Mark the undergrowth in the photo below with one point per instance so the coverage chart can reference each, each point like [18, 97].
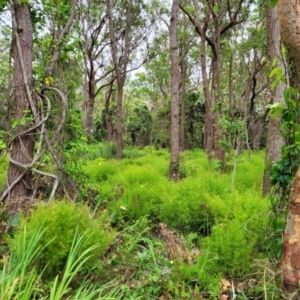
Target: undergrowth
[169, 240]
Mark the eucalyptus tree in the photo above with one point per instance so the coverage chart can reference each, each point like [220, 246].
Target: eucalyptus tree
[98, 67]
[175, 80]
[288, 12]
[274, 138]
[212, 21]
[188, 50]
[29, 138]
[22, 145]
[157, 85]
[254, 94]
[129, 28]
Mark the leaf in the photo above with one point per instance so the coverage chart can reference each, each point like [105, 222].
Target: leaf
[275, 109]
[272, 3]
[286, 95]
[276, 72]
[274, 62]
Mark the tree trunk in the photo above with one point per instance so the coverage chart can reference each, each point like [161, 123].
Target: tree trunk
[119, 121]
[120, 64]
[289, 12]
[182, 104]
[22, 146]
[256, 130]
[108, 123]
[290, 262]
[274, 139]
[89, 122]
[174, 161]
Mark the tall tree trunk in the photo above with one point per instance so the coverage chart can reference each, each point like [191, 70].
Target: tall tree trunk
[174, 161]
[120, 121]
[290, 262]
[22, 146]
[183, 65]
[274, 139]
[289, 11]
[120, 64]
[108, 123]
[256, 130]
[89, 121]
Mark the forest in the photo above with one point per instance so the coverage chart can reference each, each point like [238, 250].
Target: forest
[149, 149]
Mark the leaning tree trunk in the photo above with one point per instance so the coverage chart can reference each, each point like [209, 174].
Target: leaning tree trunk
[289, 11]
[22, 145]
[174, 161]
[274, 139]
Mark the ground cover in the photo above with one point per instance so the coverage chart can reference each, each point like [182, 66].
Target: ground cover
[164, 240]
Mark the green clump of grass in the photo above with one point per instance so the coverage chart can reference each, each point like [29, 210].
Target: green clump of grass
[61, 220]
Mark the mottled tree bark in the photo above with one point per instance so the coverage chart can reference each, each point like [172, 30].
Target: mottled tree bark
[108, 123]
[289, 12]
[174, 53]
[274, 139]
[120, 64]
[290, 260]
[22, 146]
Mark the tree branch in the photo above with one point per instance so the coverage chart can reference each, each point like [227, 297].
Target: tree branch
[62, 35]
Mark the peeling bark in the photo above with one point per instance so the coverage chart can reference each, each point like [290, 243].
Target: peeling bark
[290, 260]
[289, 16]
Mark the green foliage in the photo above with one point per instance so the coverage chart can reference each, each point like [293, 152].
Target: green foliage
[138, 262]
[61, 220]
[232, 130]
[20, 281]
[273, 3]
[231, 226]
[202, 273]
[283, 171]
[103, 150]
[3, 169]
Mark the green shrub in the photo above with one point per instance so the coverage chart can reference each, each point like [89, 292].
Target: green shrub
[104, 150]
[61, 219]
[3, 170]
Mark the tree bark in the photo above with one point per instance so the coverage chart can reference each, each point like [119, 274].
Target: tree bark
[274, 139]
[290, 262]
[174, 54]
[22, 146]
[120, 64]
[289, 11]
[108, 123]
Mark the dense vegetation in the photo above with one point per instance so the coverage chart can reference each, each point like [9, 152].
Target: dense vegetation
[145, 237]
[148, 149]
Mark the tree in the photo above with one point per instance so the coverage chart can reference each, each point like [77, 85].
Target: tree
[174, 54]
[219, 18]
[98, 69]
[30, 138]
[19, 176]
[274, 138]
[129, 27]
[290, 267]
